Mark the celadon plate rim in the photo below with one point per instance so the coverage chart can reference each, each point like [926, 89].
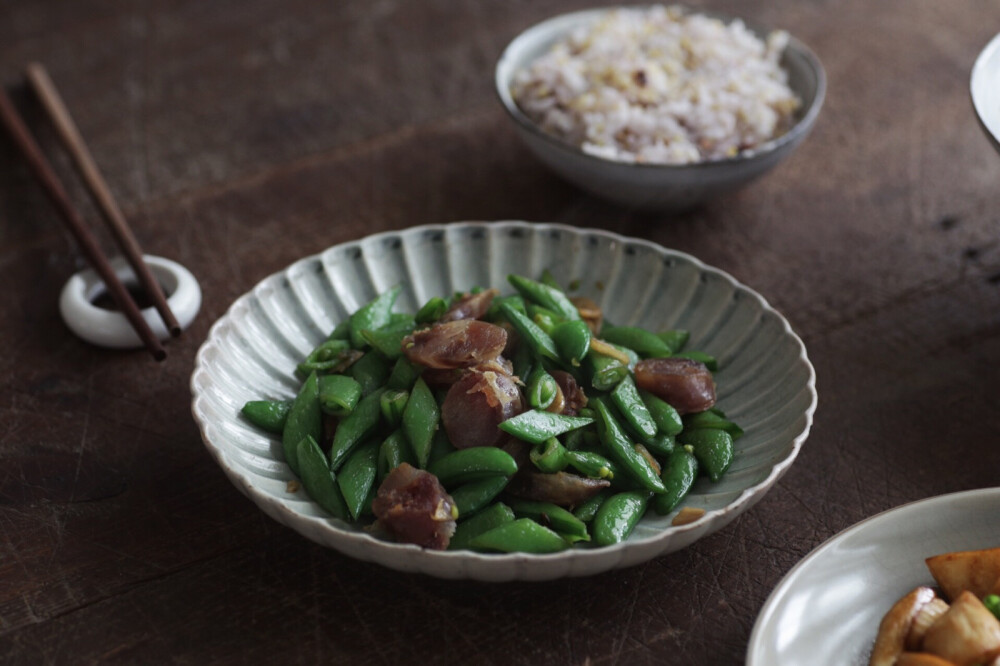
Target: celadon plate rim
[256, 341]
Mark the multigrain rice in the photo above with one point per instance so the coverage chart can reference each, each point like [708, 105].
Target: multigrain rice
[661, 86]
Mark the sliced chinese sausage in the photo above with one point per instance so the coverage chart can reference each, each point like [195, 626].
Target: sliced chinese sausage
[682, 382]
[560, 488]
[470, 306]
[455, 344]
[574, 399]
[412, 506]
[476, 404]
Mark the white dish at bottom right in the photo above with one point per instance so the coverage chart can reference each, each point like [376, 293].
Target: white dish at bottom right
[828, 608]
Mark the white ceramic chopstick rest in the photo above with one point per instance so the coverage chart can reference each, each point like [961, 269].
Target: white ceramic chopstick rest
[110, 328]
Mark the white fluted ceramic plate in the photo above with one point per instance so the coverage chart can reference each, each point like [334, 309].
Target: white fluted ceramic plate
[826, 611]
[766, 382]
[984, 86]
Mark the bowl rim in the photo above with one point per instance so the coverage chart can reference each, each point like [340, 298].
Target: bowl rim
[978, 84]
[574, 19]
[422, 560]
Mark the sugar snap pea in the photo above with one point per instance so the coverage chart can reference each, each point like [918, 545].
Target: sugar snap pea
[675, 339]
[357, 476]
[318, 480]
[269, 415]
[625, 397]
[522, 535]
[572, 339]
[324, 358]
[420, 421]
[305, 419]
[403, 374]
[338, 394]
[588, 509]
[431, 311]
[388, 339]
[393, 452]
[536, 426]
[604, 371]
[544, 295]
[474, 464]
[356, 426]
[471, 497]
[679, 474]
[668, 419]
[531, 334]
[638, 339]
[552, 516]
[542, 388]
[549, 456]
[713, 447]
[623, 450]
[711, 419]
[661, 445]
[591, 464]
[392, 403]
[370, 371]
[618, 516]
[493, 516]
[373, 315]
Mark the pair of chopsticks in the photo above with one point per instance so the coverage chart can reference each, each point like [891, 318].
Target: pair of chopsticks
[46, 175]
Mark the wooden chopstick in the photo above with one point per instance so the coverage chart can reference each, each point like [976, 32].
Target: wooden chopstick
[46, 175]
[42, 84]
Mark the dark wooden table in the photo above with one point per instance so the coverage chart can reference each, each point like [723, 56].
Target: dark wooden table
[242, 135]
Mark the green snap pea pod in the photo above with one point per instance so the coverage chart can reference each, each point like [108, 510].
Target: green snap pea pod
[475, 464]
[393, 452]
[625, 396]
[523, 361]
[490, 517]
[373, 316]
[533, 310]
[618, 516]
[604, 371]
[710, 361]
[392, 403]
[661, 445]
[536, 426]
[440, 446]
[404, 373]
[667, 418]
[388, 340]
[305, 419]
[633, 357]
[544, 295]
[709, 419]
[542, 388]
[552, 516]
[338, 394]
[545, 321]
[357, 476]
[370, 371]
[588, 509]
[431, 311]
[469, 498]
[572, 340]
[622, 449]
[515, 301]
[550, 456]
[638, 339]
[591, 464]
[520, 536]
[679, 474]
[675, 339]
[420, 421]
[353, 428]
[992, 603]
[269, 415]
[531, 334]
[317, 478]
[713, 448]
[325, 357]
[342, 331]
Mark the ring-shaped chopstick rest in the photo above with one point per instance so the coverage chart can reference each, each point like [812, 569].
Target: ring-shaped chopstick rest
[110, 328]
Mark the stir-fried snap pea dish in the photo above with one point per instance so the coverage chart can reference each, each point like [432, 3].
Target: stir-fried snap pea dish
[501, 423]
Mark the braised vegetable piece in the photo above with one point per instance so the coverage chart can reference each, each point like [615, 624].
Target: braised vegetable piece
[413, 507]
[514, 417]
[682, 382]
[455, 344]
[476, 405]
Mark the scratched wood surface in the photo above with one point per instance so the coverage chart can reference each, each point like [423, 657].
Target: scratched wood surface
[242, 135]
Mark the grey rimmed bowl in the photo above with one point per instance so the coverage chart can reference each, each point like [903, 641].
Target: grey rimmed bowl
[765, 381]
[661, 187]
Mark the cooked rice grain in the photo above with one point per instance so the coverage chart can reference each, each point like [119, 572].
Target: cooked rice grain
[659, 85]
